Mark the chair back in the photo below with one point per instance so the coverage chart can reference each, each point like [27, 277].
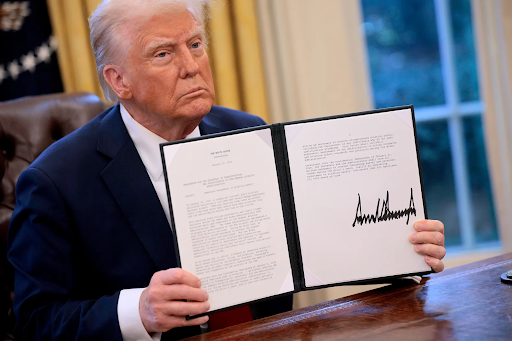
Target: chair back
[27, 127]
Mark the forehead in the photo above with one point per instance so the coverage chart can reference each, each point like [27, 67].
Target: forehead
[177, 25]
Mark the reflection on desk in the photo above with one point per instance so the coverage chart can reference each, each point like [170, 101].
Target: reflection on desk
[464, 303]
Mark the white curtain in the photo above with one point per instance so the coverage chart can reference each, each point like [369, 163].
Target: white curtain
[315, 63]
[315, 59]
[493, 27]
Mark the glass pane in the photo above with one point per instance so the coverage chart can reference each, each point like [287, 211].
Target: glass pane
[464, 50]
[436, 166]
[403, 52]
[481, 195]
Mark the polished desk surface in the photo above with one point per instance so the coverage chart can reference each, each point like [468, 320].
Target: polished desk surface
[465, 303]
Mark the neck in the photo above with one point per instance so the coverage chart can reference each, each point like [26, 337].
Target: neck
[165, 127]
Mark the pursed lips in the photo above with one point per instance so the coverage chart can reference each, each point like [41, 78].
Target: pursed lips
[194, 91]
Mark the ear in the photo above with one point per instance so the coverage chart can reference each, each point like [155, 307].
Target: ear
[114, 76]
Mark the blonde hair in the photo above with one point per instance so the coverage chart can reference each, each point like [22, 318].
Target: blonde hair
[107, 21]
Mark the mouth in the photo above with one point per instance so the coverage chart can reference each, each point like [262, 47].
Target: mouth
[194, 92]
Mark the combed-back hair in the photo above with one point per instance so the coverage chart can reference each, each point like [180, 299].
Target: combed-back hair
[111, 45]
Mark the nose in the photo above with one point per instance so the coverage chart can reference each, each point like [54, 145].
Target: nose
[187, 64]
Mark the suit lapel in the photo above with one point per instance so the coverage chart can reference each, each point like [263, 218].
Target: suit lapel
[129, 183]
[209, 126]
[206, 129]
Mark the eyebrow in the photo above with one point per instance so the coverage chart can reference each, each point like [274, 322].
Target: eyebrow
[158, 44]
[155, 45]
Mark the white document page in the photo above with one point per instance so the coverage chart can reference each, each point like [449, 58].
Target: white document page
[357, 193]
[228, 216]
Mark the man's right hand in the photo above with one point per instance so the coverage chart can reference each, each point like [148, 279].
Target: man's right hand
[162, 306]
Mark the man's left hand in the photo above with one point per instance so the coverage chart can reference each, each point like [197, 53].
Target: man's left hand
[429, 241]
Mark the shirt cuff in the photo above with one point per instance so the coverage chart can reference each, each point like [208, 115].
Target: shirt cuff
[128, 315]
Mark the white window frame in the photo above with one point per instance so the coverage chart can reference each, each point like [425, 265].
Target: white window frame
[453, 112]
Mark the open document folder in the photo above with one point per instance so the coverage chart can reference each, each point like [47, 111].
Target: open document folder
[294, 206]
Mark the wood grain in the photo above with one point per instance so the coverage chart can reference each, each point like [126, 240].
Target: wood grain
[465, 303]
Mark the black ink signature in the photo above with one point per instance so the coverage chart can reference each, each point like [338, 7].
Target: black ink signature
[385, 212]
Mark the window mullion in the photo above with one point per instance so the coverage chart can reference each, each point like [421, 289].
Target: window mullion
[461, 176]
[432, 113]
[471, 108]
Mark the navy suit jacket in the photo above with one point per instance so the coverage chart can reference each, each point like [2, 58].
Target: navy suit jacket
[87, 224]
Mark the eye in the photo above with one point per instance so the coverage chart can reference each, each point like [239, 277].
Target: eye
[195, 45]
[161, 54]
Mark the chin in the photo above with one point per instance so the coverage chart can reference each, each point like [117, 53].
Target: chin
[199, 109]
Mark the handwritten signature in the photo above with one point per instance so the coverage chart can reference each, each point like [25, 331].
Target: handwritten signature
[385, 212]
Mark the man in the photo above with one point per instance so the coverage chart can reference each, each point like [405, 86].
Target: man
[90, 239]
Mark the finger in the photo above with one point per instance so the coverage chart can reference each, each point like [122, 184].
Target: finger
[429, 225]
[178, 292]
[428, 237]
[434, 251]
[179, 308]
[179, 276]
[436, 264]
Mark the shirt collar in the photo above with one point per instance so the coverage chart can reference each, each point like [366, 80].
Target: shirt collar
[147, 143]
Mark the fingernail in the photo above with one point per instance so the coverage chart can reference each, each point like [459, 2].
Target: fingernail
[198, 284]
[419, 225]
[416, 248]
[412, 238]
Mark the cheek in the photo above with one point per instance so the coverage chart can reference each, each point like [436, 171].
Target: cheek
[210, 81]
[208, 78]
[155, 85]
[206, 71]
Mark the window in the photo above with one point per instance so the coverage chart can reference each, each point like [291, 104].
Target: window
[422, 53]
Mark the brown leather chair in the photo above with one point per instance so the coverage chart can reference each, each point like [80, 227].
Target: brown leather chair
[27, 127]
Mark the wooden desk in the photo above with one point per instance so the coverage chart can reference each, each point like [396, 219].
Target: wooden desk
[465, 303]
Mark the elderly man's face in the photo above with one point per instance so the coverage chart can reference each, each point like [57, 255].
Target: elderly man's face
[167, 68]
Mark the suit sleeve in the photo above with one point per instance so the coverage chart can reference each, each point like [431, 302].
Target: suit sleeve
[48, 302]
[259, 121]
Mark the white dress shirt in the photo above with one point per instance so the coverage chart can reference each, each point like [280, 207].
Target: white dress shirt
[147, 144]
